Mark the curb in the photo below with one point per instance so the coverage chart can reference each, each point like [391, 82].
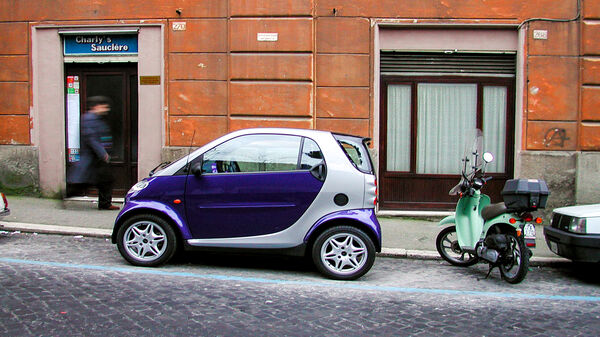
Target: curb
[53, 229]
[397, 253]
[535, 261]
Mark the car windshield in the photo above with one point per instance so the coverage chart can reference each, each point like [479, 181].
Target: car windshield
[356, 151]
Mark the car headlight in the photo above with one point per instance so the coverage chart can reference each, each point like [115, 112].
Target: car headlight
[138, 187]
[578, 225]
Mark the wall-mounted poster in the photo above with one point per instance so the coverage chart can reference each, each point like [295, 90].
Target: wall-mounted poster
[73, 118]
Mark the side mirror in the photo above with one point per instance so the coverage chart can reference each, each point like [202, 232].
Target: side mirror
[196, 169]
[488, 157]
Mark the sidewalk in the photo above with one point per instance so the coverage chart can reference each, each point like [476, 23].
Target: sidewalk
[403, 236]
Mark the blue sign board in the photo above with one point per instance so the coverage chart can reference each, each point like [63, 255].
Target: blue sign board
[116, 44]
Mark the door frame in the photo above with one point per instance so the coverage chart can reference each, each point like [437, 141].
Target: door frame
[48, 105]
[128, 71]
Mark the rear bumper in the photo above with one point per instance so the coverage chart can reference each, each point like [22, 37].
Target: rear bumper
[576, 247]
[6, 211]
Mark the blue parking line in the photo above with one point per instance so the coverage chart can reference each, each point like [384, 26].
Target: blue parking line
[337, 285]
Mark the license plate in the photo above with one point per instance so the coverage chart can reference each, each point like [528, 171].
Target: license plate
[529, 231]
[553, 246]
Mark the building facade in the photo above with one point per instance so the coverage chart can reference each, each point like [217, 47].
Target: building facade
[414, 76]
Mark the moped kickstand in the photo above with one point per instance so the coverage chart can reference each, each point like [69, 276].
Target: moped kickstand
[488, 274]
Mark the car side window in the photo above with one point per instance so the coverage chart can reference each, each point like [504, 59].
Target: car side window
[311, 154]
[253, 153]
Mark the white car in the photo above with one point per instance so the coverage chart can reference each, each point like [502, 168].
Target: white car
[575, 233]
[3, 205]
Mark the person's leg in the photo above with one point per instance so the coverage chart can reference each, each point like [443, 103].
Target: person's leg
[105, 188]
[104, 195]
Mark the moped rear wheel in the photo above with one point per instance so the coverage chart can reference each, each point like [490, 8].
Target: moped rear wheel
[514, 268]
[449, 249]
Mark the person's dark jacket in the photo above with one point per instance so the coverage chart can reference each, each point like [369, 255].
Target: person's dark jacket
[96, 142]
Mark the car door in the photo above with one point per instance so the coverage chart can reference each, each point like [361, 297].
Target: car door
[252, 185]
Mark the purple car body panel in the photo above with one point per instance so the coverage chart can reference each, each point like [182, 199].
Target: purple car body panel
[159, 196]
[247, 204]
[365, 216]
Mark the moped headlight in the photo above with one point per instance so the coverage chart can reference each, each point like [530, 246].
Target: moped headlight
[138, 187]
[578, 225]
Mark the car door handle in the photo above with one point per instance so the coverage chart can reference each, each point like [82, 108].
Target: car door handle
[319, 171]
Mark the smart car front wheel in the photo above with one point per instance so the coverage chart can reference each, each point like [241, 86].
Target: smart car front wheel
[343, 253]
[146, 240]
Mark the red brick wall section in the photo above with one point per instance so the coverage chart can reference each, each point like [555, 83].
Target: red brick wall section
[195, 130]
[14, 84]
[552, 90]
[318, 72]
[60, 10]
[271, 8]
[198, 66]
[447, 9]
[293, 35]
[197, 87]
[590, 70]
[198, 98]
[590, 104]
[271, 99]
[14, 129]
[285, 67]
[589, 128]
[563, 39]
[543, 135]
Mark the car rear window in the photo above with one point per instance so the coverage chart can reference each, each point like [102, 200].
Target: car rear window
[357, 152]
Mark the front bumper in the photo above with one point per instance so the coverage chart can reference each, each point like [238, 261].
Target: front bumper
[576, 247]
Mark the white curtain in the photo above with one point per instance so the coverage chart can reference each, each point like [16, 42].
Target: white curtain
[494, 126]
[446, 112]
[398, 127]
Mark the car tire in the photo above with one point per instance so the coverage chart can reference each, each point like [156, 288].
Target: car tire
[343, 253]
[146, 240]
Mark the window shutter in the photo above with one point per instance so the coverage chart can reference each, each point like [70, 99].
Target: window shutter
[447, 64]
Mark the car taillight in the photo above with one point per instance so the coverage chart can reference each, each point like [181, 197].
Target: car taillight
[375, 201]
[5, 200]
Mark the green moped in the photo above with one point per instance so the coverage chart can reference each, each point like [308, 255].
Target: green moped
[498, 234]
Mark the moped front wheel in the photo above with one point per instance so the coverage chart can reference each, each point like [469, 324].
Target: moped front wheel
[514, 267]
[449, 249]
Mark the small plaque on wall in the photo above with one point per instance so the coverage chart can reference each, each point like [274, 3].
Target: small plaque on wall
[149, 80]
[268, 37]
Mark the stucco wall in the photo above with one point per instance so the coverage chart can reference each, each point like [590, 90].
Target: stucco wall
[587, 186]
[19, 169]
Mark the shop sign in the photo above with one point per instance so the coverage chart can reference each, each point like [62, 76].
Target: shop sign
[117, 44]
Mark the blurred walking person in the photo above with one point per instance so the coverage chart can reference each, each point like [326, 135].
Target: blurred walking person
[93, 169]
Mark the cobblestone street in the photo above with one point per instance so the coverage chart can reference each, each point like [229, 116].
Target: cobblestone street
[54, 285]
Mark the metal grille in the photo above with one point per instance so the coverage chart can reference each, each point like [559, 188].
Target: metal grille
[561, 221]
[454, 63]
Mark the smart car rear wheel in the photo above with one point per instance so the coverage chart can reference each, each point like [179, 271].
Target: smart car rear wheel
[146, 240]
[343, 253]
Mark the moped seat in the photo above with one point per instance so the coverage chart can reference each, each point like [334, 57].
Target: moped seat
[493, 210]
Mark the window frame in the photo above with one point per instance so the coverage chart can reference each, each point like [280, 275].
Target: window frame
[413, 82]
[200, 158]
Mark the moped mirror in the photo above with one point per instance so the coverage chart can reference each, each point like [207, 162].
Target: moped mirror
[488, 157]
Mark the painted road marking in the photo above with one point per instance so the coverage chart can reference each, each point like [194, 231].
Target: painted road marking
[337, 285]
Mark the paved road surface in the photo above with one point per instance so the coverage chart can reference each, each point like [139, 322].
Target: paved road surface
[54, 285]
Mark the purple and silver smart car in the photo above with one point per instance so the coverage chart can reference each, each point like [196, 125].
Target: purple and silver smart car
[291, 191]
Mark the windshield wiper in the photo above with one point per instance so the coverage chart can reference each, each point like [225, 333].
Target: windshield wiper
[159, 166]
